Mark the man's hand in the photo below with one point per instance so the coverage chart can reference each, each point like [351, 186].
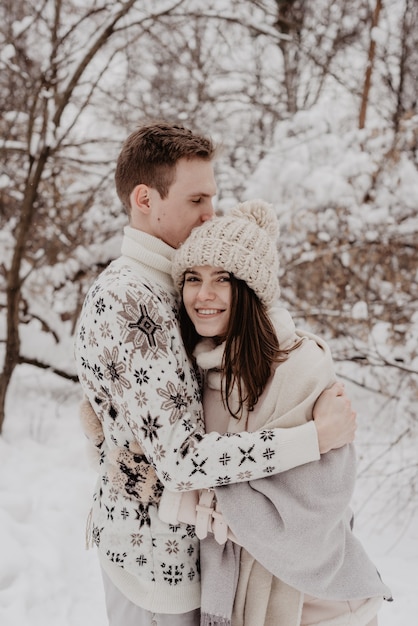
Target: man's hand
[335, 419]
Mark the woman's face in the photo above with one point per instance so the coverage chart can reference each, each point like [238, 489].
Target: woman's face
[207, 299]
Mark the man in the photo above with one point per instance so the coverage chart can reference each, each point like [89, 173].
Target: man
[135, 373]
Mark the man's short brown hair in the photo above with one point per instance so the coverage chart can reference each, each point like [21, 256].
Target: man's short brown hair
[149, 156]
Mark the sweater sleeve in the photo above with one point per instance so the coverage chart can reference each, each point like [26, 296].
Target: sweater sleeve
[134, 371]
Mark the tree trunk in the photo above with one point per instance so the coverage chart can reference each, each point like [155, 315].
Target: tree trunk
[14, 281]
[369, 69]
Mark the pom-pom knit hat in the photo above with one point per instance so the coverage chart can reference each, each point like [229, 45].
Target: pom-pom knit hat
[242, 243]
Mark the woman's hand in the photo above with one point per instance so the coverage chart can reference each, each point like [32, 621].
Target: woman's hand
[335, 419]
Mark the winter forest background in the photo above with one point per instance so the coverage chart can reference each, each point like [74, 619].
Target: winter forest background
[315, 106]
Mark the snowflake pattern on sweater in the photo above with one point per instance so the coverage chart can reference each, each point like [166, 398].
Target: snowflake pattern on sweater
[134, 370]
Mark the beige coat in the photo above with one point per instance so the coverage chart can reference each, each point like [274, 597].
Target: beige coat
[288, 400]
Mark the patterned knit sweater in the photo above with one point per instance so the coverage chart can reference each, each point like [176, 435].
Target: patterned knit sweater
[134, 370]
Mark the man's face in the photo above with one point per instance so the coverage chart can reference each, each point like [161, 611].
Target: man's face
[188, 203]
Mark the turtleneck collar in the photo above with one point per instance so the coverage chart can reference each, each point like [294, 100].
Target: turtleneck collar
[153, 254]
[208, 354]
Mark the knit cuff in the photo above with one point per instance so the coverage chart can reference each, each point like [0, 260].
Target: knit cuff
[298, 445]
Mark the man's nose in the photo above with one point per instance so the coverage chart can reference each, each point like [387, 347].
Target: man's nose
[208, 212]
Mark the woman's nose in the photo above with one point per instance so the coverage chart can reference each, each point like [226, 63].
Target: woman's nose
[205, 292]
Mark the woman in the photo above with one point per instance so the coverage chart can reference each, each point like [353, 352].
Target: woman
[300, 563]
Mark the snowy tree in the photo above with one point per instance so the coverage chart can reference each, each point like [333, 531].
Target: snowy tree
[347, 201]
[55, 58]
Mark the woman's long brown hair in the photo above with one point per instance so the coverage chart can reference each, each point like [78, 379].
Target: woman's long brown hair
[251, 347]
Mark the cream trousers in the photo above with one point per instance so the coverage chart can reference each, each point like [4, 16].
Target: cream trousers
[318, 612]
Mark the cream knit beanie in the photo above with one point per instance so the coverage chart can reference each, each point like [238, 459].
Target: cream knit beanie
[242, 242]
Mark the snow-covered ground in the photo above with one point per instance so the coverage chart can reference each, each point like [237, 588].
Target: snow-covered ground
[47, 578]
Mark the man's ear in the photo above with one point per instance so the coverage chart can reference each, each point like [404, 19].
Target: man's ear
[140, 199]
